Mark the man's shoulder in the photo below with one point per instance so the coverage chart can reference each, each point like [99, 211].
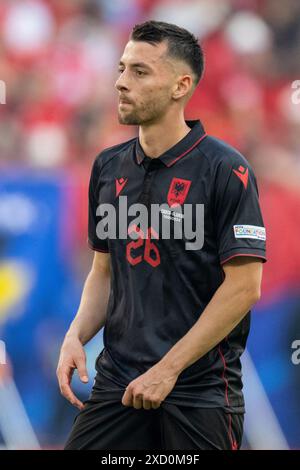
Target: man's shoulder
[220, 153]
[105, 155]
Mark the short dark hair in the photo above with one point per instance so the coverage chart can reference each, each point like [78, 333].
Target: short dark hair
[182, 44]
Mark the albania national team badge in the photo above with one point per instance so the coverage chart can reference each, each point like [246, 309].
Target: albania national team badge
[178, 191]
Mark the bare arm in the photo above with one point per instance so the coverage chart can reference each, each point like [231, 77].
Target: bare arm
[90, 318]
[230, 303]
[91, 314]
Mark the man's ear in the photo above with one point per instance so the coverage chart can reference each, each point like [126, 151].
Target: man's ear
[183, 87]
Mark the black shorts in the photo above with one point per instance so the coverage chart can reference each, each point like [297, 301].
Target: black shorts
[109, 425]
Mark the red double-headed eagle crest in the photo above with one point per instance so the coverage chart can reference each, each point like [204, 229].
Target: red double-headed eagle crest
[178, 191]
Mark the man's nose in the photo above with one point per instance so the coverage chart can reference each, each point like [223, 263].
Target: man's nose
[122, 82]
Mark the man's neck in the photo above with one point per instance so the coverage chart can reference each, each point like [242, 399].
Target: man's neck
[157, 138]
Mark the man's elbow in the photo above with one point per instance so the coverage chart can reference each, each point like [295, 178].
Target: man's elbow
[244, 276]
[253, 293]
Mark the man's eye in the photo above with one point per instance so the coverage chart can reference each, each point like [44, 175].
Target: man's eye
[140, 72]
[121, 70]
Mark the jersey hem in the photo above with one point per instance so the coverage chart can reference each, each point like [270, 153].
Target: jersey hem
[252, 252]
[96, 248]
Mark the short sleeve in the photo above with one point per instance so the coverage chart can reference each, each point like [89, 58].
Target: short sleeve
[94, 241]
[240, 229]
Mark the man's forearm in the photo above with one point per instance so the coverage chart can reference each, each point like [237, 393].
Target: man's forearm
[91, 314]
[225, 310]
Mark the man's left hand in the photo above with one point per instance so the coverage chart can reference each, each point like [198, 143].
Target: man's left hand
[149, 389]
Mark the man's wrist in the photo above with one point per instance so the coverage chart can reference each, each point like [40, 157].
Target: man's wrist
[170, 364]
[73, 334]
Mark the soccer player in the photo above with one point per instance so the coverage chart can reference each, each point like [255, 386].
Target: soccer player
[175, 310]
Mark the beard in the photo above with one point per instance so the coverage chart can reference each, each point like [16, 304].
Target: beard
[146, 113]
[130, 118]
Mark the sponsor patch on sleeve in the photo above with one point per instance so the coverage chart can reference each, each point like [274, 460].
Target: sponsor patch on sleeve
[249, 231]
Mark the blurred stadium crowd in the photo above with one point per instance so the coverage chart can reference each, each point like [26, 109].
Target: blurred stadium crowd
[59, 58]
[59, 61]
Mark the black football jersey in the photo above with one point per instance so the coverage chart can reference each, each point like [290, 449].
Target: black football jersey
[161, 285]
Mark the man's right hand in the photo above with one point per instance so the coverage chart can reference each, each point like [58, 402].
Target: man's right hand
[72, 356]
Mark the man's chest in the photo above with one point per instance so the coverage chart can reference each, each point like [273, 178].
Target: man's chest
[170, 206]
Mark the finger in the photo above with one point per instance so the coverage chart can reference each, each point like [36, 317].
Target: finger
[127, 398]
[155, 405]
[65, 370]
[137, 401]
[147, 404]
[82, 371]
[66, 391]
[69, 395]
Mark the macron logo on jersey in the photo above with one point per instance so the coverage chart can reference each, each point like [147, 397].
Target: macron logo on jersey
[242, 174]
[249, 231]
[120, 183]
